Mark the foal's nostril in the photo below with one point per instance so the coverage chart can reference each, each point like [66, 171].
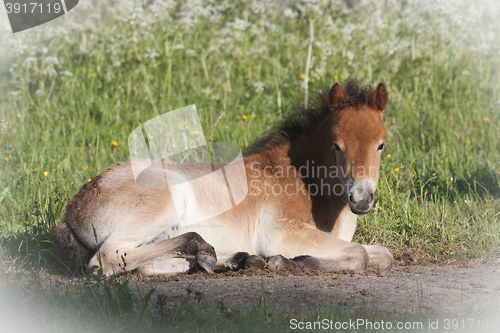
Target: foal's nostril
[370, 198]
[351, 198]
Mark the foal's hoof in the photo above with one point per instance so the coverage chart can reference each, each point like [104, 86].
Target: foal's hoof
[279, 262]
[206, 262]
[254, 261]
[356, 271]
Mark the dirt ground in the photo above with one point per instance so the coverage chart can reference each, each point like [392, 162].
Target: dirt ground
[464, 286]
[405, 288]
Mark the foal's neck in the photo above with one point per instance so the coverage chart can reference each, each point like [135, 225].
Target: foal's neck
[313, 150]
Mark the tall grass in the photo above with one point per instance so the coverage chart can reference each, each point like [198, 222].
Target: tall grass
[90, 77]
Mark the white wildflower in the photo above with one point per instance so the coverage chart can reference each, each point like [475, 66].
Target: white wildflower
[270, 26]
[257, 50]
[19, 47]
[39, 93]
[52, 60]
[317, 74]
[289, 13]
[28, 61]
[66, 73]
[151, 53]
[237, 52]
[311, 7]
[255, 30]
[191, 52]
[259, 6]
[212, 48]
[178, 47]
[240, 24]
[50, 71]
[350, 56]
[259, 86]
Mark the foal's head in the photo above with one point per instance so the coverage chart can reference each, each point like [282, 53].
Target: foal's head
[358, 138]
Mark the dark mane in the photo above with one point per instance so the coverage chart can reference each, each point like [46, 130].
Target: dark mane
[303, 118]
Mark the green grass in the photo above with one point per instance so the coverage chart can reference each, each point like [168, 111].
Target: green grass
[438, 195]
[442, 121]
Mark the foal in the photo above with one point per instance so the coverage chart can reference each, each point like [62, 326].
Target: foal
[308, 180]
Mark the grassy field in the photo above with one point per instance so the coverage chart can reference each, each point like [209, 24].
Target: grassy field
[86, 80]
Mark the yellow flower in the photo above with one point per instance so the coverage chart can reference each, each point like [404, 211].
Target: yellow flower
[396, 170]
[244, 117]
[90, 179]
[486, 119]
[335, 78]
[403, 167]
[45, 173]
[413, 175]
[196, 133]
[302, 76]
[388, 155]
[93, 75]
[85, 167]
[7, 159]
[134, 136]
[229, 90]
[150, 136]
[115, 144]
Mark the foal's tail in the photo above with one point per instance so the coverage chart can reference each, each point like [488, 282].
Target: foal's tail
[72, 255]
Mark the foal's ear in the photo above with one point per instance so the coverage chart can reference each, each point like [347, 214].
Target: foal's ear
[379, 98]
[336, 98]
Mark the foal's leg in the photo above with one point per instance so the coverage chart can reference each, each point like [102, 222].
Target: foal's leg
[167, 267]
[238, 261]
[380, 257]
[170, 256]
[311, 249]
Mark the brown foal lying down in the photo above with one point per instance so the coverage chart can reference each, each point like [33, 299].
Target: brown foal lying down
[308, 180]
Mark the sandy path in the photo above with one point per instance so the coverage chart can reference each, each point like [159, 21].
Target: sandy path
[449, 288]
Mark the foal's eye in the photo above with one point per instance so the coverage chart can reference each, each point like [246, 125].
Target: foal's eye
[382, 145]
[336, 147]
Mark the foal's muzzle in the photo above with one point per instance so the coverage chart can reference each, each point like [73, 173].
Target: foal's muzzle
[361, 196]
